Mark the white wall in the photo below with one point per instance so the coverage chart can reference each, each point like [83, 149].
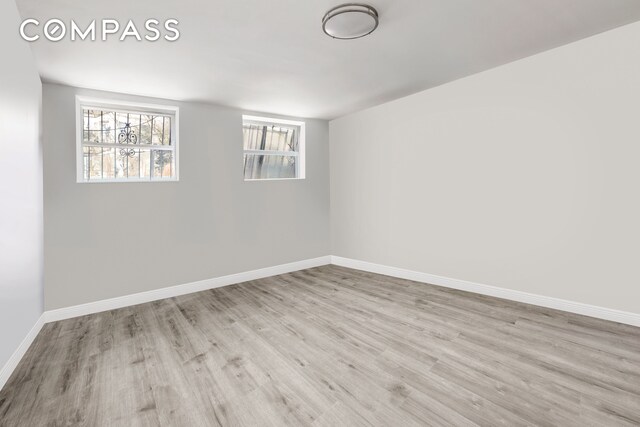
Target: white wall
[525, 177]
[109, 240]
[20, 187]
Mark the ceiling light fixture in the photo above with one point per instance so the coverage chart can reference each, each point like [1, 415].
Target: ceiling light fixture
[350, 21]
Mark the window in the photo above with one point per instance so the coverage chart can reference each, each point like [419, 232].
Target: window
[273, 148]
[124, 142]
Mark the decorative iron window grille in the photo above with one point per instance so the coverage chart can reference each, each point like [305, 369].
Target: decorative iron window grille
[273, 149]
[119, 144]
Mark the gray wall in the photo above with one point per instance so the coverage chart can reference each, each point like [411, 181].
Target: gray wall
[109, 240]
[524, 177]
[20, 187]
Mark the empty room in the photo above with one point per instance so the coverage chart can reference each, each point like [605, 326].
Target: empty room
[315, 213]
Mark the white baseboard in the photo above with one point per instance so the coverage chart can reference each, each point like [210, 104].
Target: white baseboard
[494, 291]
[17, 355]
[173, 291]
[143, 297]
[509, 294]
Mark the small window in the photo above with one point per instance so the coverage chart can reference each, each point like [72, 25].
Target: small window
[123, 142]
[273, 149]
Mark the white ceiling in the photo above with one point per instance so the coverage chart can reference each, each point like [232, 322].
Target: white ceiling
[272, 56]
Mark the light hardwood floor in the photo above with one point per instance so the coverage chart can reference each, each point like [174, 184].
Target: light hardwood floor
[328, 346]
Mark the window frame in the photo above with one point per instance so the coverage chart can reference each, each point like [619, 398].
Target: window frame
[300, 154]
[83, 102]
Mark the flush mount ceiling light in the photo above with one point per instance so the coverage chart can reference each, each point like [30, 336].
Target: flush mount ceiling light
[350, 21]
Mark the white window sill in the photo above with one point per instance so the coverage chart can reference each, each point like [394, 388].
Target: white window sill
[125, 181]
[274, 179]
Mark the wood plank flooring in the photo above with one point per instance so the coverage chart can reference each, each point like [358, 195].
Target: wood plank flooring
[328, 346]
